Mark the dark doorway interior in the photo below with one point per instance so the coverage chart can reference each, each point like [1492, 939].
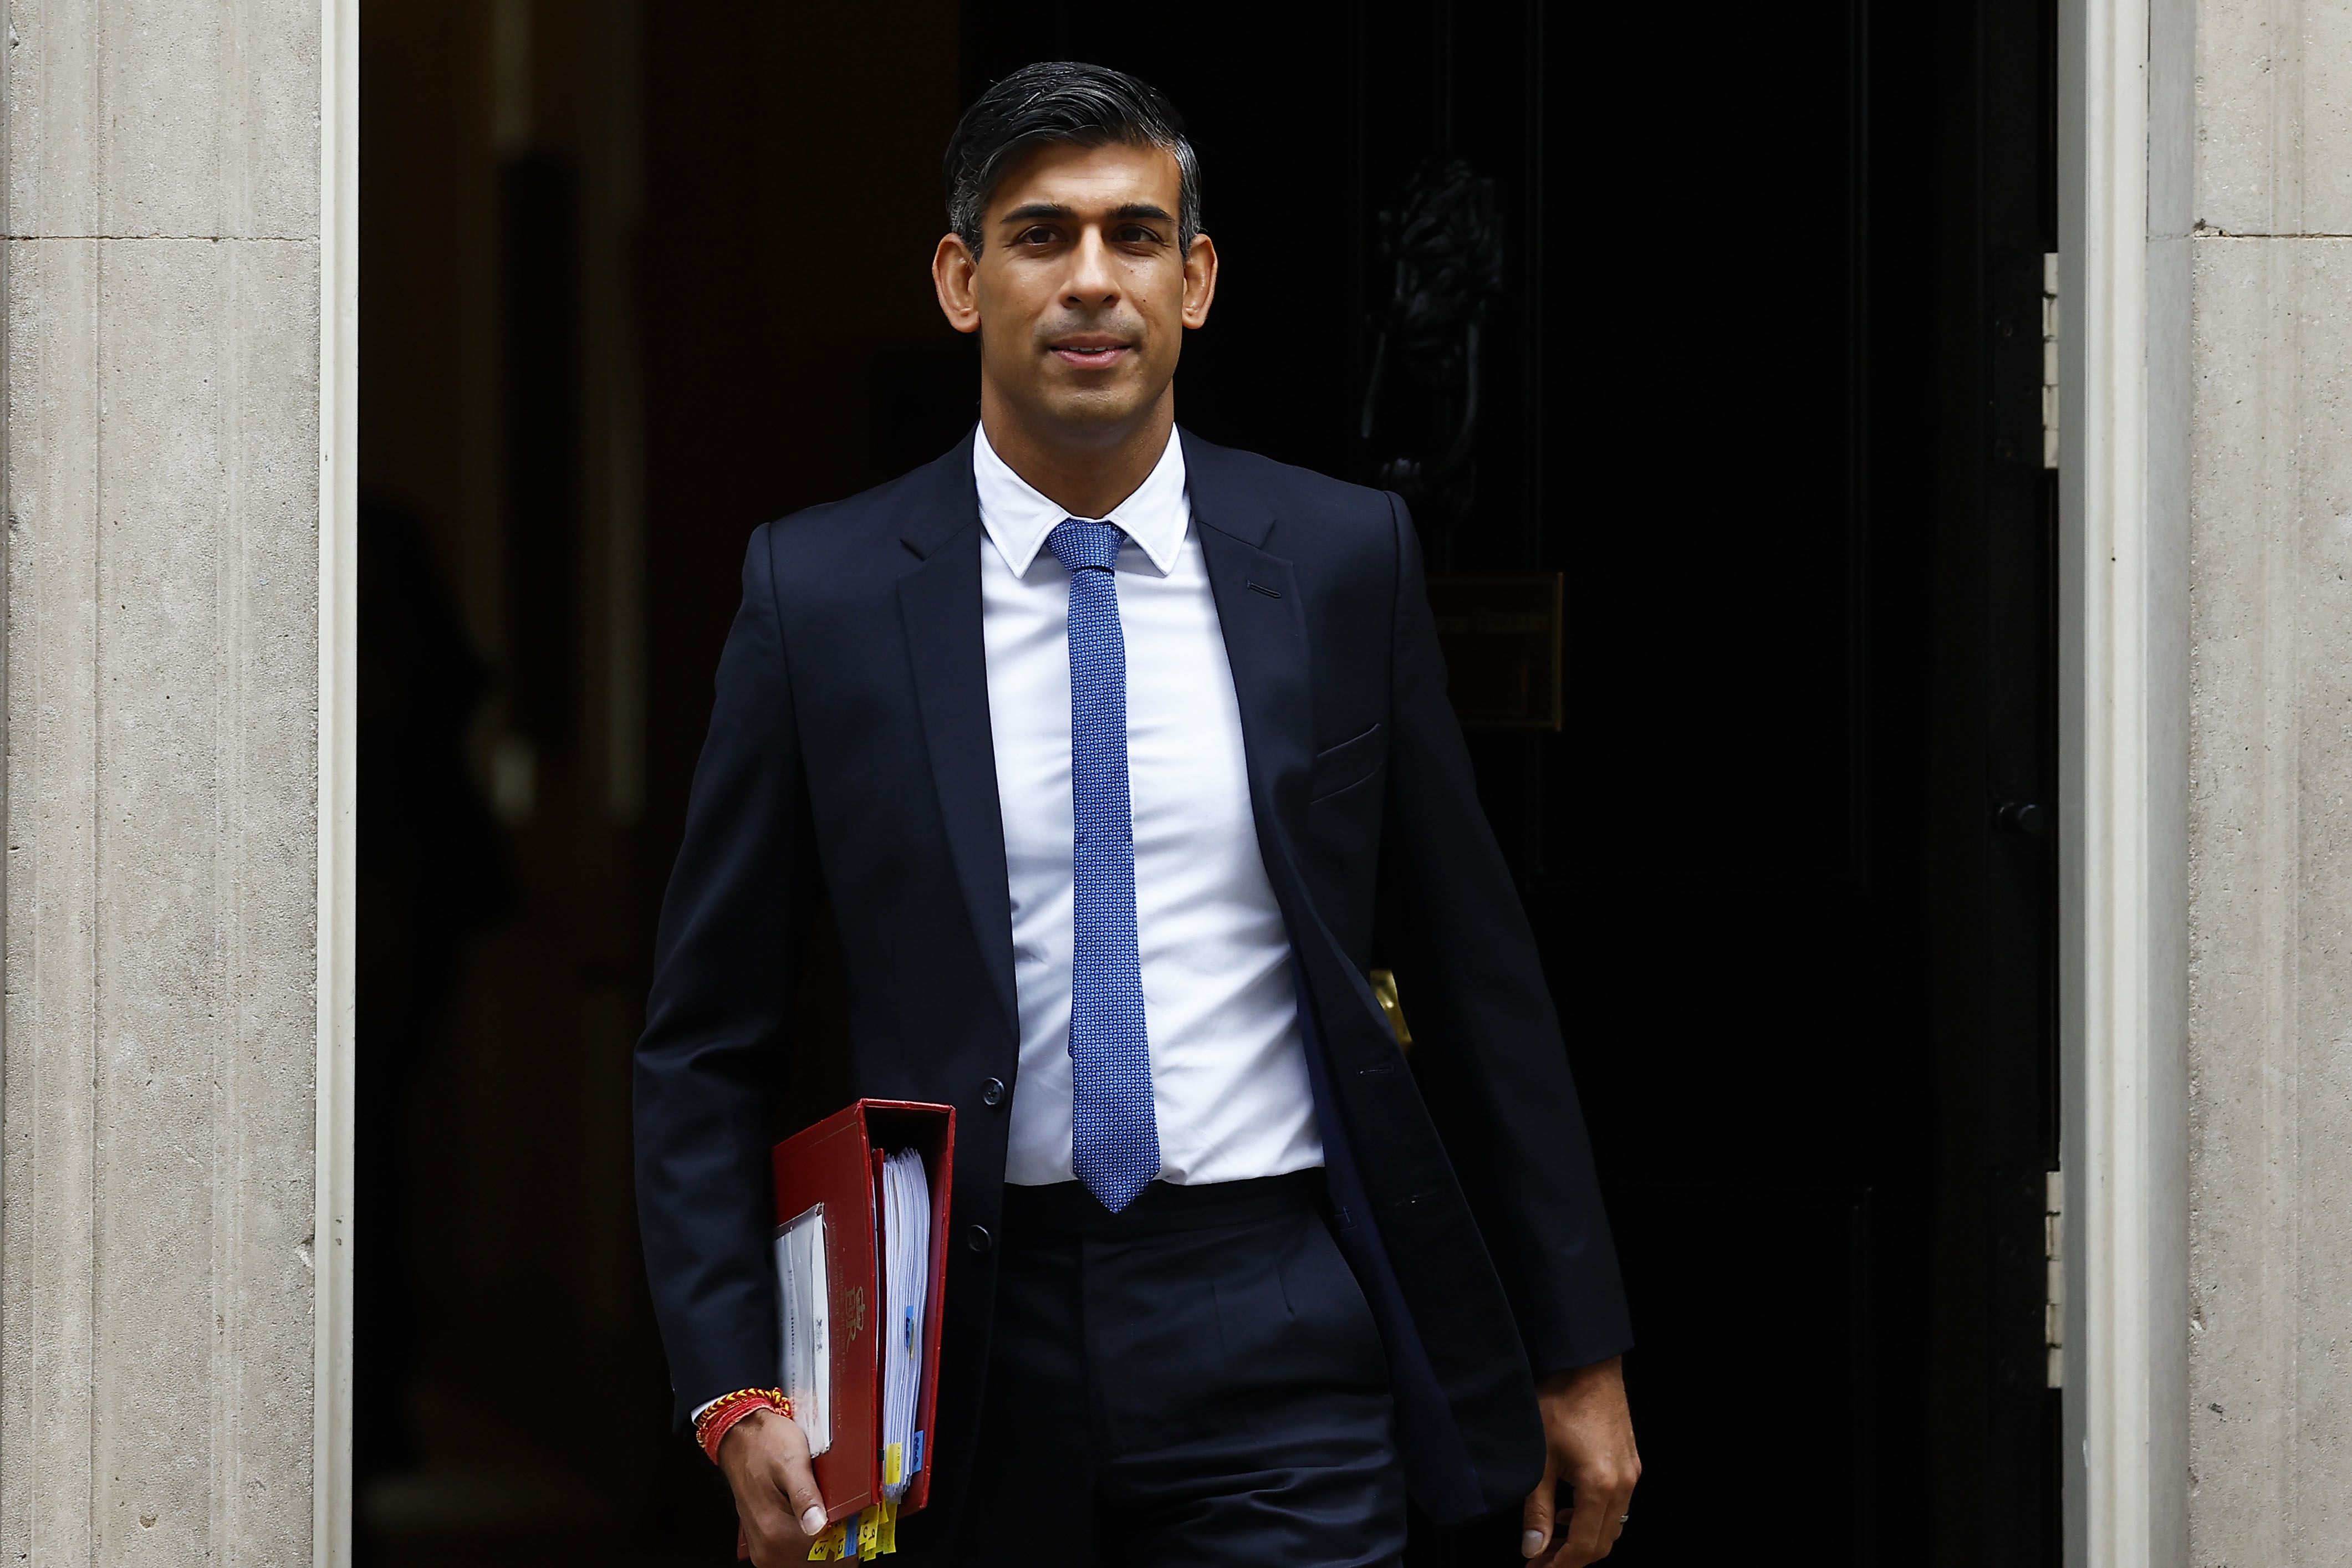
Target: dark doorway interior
[1759, 358]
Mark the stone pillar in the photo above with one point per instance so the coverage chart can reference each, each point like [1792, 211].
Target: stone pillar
[2270, 829]
[158, 1253]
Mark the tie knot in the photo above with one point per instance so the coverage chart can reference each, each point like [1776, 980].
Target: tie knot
[1078, 544]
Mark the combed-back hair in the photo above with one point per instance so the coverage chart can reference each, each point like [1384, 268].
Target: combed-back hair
[1065, 101]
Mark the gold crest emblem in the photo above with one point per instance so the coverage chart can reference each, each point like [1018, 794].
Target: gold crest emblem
[856, 1312]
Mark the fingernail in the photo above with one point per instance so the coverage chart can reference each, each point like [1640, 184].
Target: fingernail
[813, 1521]
[1531, 1542]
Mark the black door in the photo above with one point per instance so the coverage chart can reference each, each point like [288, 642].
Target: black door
[1728, 319]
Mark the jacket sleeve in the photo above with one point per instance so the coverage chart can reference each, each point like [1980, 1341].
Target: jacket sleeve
[712, 1059]
[1487, 1046]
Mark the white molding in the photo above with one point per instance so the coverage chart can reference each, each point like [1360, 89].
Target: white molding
[2122, 642]
[330, 1476]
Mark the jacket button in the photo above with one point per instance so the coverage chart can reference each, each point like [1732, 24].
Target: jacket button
[991, 1091]
[977, 1238]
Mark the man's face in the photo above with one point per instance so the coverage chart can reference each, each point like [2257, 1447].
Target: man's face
[1080, 294]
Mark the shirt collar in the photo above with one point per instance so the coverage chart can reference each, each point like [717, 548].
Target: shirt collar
[1018, 517]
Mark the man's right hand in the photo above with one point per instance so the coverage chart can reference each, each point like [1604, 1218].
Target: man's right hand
[766, 1460]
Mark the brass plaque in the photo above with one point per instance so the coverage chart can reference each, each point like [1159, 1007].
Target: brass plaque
[1500, 632]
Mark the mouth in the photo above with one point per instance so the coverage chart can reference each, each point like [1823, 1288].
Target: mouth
[1088, 352]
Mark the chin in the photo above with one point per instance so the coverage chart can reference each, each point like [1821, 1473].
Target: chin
[1105, 410]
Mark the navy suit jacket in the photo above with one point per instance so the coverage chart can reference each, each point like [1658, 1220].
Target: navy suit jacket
[849, 759]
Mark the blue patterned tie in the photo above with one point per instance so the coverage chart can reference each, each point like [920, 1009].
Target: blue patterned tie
[1114, 1137]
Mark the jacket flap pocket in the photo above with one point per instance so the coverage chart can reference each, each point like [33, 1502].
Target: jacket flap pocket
[1351, 761]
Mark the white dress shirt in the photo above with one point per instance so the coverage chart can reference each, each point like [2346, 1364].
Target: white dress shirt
[1229, 1082]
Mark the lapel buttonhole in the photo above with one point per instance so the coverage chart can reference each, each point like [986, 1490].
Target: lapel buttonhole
[1261, 588]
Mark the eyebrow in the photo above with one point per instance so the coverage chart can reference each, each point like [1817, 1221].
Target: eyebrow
[1030, 212]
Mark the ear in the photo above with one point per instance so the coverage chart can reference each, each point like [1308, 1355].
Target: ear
[1200, 279]
[955, 277]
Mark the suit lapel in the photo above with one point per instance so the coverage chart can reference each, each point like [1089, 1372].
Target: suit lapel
[939, 601]
[1264, 625]
[1267, 645]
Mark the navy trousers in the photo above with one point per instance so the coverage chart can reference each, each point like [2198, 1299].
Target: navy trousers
[1195, 1382]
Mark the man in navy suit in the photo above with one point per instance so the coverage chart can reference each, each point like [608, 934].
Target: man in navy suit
[1119, 757]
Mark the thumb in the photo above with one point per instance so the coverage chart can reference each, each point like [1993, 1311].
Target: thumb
[1535, 1519]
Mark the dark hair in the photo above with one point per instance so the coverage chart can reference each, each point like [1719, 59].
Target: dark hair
[1065, 101]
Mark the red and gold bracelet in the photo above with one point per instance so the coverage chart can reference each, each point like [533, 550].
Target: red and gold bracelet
[729, 1408]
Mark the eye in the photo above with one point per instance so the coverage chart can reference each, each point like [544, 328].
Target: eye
[1135, 234]
[1036, 234]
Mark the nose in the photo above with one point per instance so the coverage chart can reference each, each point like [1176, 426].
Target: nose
[1092, 281]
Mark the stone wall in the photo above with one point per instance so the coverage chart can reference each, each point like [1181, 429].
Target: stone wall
[2269, 819]
[162, 667]
[158, 1045]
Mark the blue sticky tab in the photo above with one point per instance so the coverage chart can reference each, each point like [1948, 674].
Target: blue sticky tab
[918, 1462]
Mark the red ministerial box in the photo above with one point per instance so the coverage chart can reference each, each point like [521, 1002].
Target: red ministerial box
[835, 1163]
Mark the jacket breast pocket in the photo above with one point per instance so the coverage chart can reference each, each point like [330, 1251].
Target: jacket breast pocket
[1343, 767]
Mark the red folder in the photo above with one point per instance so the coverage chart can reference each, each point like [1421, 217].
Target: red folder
[838, 1163]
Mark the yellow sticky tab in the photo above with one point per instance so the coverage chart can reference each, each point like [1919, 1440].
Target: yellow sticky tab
[889, 1530]
[830, 1546]
[893, 1463]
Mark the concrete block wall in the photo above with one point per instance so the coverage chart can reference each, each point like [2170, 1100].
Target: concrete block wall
[158, 1045]
[2270, 818]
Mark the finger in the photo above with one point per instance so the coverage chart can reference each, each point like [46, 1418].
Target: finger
[1612, 1518]
[1620, 1505]
[1536, 1518]
[1597, 1521]
[1583, 1541]
[1612, 1510]
[1628, 1476]
[1563, 1552]
[799, 1487]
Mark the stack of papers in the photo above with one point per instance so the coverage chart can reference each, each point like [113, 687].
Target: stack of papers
[905, 1208]
[806, 1309]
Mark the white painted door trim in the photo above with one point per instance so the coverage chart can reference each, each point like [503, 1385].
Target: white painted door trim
[338, 741]
[2122, 853]
[2123, 841]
